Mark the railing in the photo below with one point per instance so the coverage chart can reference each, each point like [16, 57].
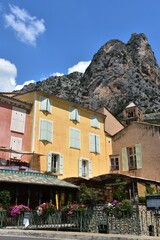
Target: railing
[139, 222]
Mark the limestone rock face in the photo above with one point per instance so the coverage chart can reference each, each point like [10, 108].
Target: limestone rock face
[119, 73]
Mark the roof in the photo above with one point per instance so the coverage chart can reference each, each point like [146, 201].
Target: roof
[61, 99]
[109, 179]
[33, 178]
[15, 102]
[131, 105]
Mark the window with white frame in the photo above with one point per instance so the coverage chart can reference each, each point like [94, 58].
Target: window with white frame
[114, 162]
[74, 114]
[94, 143]
[131, 157]
[95, 121]
[85, 168]
[18, 120]
[46, 130]
[55, 163]
[16, 144]
[75, 138]
[45, 104]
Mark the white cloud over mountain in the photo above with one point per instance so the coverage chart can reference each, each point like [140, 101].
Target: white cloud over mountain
[8, 74]
[26, 27]
[79, 67]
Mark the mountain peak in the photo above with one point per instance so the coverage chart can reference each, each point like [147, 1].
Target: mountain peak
[118, 74]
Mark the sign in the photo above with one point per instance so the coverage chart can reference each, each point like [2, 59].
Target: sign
[153, 202]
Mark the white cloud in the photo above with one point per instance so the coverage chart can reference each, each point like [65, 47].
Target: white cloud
[8, 73]
[79, 67]
[57, 74]
[18, 87]
[26, 27]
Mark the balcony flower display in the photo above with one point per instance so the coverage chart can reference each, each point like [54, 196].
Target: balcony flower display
[46, 208]
[17, 210]
[71, 208]
[119, 209]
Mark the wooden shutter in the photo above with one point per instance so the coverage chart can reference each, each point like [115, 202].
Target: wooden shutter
[49, 131]
[43, 130]
[18, 120]
[97, 143]
[80, 167]
[49, 162]
[124, 159]
[89, 169]
[138, 156]
[46, 130]
[95, 121]
[74, 114]
[22, 117]
[43, 103]
[74, 138]
[16, 144]
[61, 159]
[77, 117]
[92, 142]
[48, 107]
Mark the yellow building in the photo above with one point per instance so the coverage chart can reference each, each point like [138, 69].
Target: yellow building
[72, 138]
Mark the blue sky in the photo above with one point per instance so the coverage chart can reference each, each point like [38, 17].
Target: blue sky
[40, 38]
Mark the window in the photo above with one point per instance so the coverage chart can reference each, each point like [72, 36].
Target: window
[45, 130]
[85, 168]
[45, 104]
[18, 120]
[95, 121]
[132, 157]
[16, 144]
[94, 143]
[55, 163]
[75, 138]
[74, 114]
[114, 163]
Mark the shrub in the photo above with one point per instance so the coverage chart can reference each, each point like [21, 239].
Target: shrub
[17, 209]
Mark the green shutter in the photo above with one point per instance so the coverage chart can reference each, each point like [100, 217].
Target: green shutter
[43, 103]
[80, 167]
[48, 107]
[49, 162]
[72, 113]
[46, 131]
[95, 121]
[97, 143]
[74, 138]
[138, 156]
[124, 159]
[49, 132]
[43, 130]
[77, 117]
[61, 164]
[89, 169]
[92, 142]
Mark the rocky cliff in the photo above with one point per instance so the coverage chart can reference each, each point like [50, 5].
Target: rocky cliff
[118, 74]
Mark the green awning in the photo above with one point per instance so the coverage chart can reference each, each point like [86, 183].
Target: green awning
[33, 178]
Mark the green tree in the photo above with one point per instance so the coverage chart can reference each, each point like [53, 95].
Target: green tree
[5, 198]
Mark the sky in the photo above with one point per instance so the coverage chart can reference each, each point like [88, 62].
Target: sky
[42, 38]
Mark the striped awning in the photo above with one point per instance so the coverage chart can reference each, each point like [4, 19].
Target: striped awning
[33, 178]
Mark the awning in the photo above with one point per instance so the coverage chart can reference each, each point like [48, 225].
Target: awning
[33, 178]
[109, 180]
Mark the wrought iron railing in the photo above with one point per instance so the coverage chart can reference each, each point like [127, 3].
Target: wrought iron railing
[137, 222]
